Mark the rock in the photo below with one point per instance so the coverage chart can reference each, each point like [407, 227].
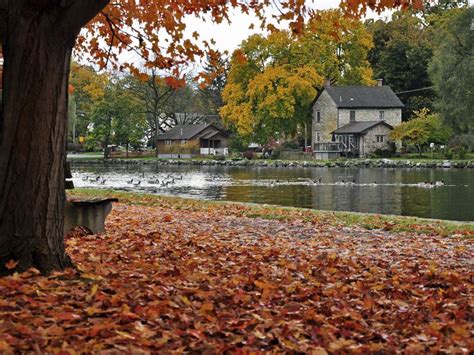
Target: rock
[447, 164]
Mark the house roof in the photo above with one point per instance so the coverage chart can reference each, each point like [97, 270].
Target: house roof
[364, 97]
[179, 132]
[359, 127]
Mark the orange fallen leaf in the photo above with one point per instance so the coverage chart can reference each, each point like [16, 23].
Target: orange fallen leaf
[11, 264]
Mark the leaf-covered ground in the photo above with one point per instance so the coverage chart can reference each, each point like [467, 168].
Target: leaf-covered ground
[186, 276]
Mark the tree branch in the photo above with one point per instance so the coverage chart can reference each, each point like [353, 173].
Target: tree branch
[80, 12]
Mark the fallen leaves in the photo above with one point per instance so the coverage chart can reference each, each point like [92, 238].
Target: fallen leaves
[11, 264]
[202, 278]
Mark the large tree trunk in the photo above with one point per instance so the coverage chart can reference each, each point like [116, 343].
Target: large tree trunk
[37, 45]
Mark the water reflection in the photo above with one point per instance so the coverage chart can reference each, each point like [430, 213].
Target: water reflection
[373, 190]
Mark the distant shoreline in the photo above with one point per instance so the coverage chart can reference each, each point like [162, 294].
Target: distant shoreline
[350, 163]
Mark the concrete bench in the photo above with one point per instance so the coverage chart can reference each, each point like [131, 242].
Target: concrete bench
[86, 213]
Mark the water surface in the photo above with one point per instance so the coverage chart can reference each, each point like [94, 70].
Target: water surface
[399, 191]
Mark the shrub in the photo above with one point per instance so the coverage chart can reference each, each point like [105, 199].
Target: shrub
[249, 154]
[462, 142]
[448, 154]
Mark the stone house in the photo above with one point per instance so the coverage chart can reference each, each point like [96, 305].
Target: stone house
[354, 120]
[187, 141]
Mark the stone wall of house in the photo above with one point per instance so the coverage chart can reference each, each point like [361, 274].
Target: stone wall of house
[392, 116]
[328, 122]
[369, 143]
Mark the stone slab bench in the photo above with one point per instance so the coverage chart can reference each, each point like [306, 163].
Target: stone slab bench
[87, 213]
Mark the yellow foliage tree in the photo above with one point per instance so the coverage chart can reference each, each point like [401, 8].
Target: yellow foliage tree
[273, 80]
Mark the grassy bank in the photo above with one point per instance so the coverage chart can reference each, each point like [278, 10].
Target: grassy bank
[346, 219]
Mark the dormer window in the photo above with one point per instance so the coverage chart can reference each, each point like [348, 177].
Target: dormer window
[352, 116]
[382, 115]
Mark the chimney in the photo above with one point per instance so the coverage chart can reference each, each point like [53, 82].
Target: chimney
[327, 82]
[379, 82]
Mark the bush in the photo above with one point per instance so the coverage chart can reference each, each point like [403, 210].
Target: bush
[462, 142]
[448, 154]
[383, 153]
[249, 154]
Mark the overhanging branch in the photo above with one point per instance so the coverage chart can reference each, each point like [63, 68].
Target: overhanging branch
[80, 12]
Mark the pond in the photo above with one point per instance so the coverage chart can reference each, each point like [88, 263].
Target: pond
[396, 191]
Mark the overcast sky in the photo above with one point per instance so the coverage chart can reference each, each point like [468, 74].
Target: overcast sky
[229, 36]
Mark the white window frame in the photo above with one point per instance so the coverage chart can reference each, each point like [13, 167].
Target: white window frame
[380, 138]
[350, 116]
[382, 115]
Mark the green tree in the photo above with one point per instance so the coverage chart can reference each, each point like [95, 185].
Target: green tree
[88, 87]
[400, 56]
[215, 71]
[452, 69]
[129, 121]
[117, 117]
[421, 130]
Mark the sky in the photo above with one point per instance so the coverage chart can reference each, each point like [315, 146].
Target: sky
[229, 36]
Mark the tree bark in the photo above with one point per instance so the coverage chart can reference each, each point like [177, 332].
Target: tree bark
[37, 44]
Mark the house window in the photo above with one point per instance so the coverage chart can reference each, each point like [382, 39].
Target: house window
[352, 116]
[318, 137]
[167, 142]
[382, 115]
[380, 138]
[183, 142]
[318, 116]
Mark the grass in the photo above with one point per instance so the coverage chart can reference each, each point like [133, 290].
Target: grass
[348, 219]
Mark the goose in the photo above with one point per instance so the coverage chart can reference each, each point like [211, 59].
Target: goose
[130, 181]
[137, 183]
[439, 183]
[102, 182]
[340, 182]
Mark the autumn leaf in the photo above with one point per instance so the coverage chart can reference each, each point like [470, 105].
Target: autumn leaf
[11, 264]
[214, 277]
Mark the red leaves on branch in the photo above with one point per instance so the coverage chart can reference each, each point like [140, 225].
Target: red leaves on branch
[186, 276]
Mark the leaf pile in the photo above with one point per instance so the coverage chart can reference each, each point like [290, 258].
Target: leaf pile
[206, 278]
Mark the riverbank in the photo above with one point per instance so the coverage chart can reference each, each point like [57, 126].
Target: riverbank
[174, 275]
[349, 163]
[346, 219]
